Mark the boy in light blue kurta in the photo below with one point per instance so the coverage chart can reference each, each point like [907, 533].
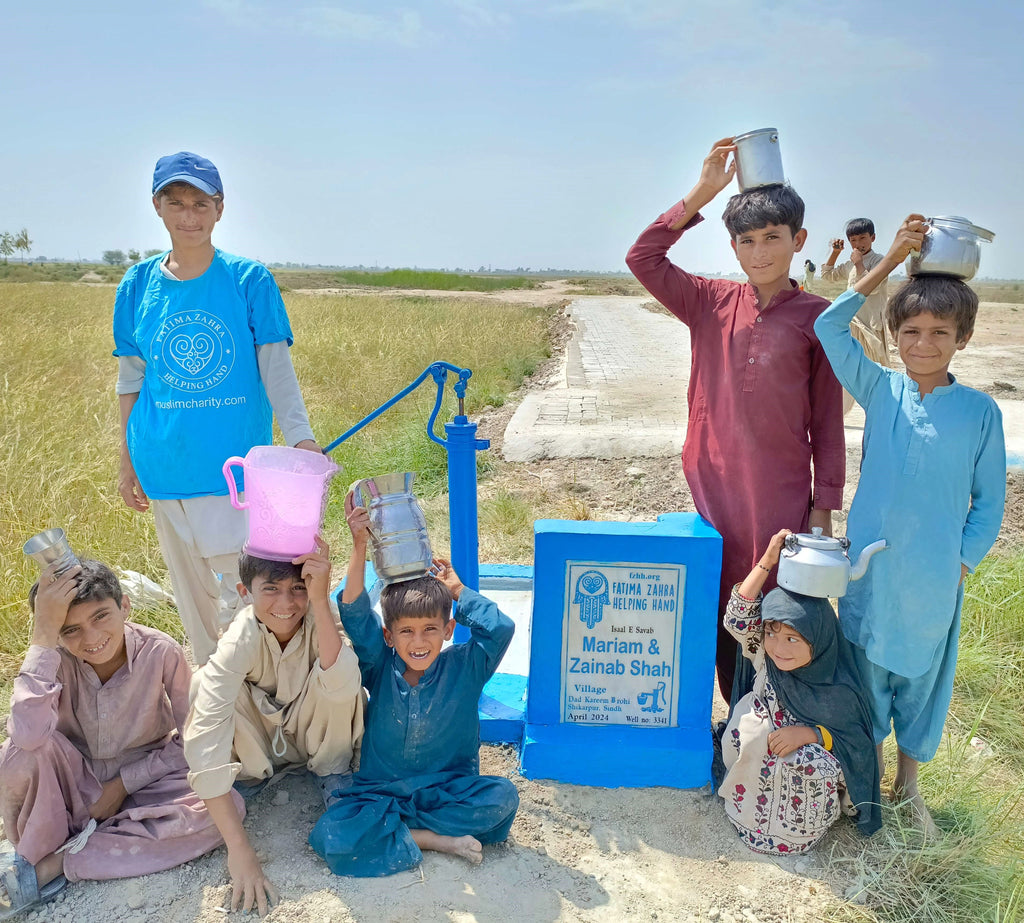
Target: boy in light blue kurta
[419, 784]
[932, 484]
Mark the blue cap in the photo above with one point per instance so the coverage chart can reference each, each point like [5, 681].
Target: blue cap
[185, 167]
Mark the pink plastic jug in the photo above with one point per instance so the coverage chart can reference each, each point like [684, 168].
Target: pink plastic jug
[285, 496]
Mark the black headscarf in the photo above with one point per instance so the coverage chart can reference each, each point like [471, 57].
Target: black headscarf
[828, 691]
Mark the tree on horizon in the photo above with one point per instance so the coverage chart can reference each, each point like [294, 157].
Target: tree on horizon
[22, 242]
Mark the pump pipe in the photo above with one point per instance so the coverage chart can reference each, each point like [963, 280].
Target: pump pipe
[461, 446]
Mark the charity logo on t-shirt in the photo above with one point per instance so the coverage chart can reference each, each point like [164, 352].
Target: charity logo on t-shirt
[202, 400]
[195, 349]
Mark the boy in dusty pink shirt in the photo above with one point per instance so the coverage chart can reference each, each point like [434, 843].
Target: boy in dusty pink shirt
[93, 779]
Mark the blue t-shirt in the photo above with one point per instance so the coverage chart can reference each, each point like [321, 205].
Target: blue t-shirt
[202, 399]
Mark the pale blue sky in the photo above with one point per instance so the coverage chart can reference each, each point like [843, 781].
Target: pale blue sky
[518, 133]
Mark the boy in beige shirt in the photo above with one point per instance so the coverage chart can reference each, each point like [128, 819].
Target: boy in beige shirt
[868, 327]
[281, 690]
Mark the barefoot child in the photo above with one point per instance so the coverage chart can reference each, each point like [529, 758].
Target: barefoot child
[763, 402]
[798, 749]
[281, 691]
[94, 752]
[932, 484]
[419, 784]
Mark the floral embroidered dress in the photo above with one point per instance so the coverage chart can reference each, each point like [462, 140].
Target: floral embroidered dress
[778, 805]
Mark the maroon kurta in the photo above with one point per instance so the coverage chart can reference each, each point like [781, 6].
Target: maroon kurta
[763, 405]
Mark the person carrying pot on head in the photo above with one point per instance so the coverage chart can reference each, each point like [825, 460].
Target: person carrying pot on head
[93, 779]
[419, 785]
[201, 341]
[869, 324]
[763, 401]
[282, 691]
[933, 482]
[798, 749]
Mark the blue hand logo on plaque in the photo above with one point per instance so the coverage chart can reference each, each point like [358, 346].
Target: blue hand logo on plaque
[591, 596]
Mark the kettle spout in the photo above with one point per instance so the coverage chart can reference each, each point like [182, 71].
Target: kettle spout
[860, 568]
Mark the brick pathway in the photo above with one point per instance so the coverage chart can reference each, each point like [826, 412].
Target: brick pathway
[622, 393]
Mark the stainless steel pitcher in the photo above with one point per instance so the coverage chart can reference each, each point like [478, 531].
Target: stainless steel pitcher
[401, 548]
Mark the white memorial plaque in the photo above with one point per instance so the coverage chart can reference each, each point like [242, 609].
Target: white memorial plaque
[620, 643]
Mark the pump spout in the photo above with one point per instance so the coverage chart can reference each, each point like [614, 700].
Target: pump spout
[860, 568]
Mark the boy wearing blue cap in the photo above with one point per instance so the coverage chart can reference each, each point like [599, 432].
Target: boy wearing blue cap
[202, 343]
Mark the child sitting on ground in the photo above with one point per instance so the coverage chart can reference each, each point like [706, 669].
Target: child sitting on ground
[281, 691]
[932, 484]
[419, 784]
[798, 748]
[95, 750]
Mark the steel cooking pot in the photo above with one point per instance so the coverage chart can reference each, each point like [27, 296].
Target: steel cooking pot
[758, 160]
[952, 247]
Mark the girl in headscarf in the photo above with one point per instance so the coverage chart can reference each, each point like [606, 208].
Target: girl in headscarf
[798, 748]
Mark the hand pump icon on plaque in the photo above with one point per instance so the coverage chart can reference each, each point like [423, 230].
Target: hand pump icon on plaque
[656, 698]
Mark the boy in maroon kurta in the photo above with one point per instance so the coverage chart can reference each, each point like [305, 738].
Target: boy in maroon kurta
[763, 401]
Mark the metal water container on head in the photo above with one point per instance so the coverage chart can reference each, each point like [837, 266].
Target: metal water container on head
[401, 548]
[758, 159]
[952, 247]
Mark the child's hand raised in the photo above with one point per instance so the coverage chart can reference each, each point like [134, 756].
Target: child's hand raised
[714, 177]
[316, 570]
[714, 174]
[443, 571]
[771, 555]
[358, 520]
[909, 238]
[53, 599]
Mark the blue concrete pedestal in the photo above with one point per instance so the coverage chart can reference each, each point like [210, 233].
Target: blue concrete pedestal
[622, 652]
[503, 702]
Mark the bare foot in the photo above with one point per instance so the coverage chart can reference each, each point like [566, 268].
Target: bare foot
[468, 847]
[465, 847]
[922, 816]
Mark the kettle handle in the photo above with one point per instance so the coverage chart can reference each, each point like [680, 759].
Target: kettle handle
[791, 543]
[230, 478]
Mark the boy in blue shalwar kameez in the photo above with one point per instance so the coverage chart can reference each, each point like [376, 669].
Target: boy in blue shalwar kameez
[932, 484]
[419, 784]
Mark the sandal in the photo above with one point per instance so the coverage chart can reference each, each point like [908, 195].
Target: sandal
[19, 889]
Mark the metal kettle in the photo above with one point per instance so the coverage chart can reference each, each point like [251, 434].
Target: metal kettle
[813, 564]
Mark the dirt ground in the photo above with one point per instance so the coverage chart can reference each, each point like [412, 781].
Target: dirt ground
[575, 853]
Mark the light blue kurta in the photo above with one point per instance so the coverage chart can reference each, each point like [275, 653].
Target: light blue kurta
[932, 484]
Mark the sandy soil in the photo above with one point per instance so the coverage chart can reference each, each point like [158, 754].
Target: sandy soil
[575, 853]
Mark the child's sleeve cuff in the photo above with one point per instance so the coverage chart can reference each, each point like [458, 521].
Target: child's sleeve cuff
[211, 783]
